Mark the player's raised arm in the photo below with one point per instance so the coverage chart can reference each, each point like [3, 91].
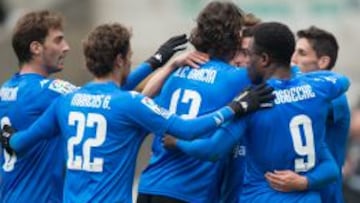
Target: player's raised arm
[193, 59]
[160, 58]
[334, 84]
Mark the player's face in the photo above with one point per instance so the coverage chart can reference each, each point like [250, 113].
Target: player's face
[305, 56]
[255, 67]
[242, 57]
[54, 51]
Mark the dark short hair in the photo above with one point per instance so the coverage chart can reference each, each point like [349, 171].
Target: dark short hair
[324, 43]
[102, 46]
[248, 32]
[276, 40]
[218, 30]
[33, 26]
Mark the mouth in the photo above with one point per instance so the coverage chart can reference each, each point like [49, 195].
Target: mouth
[61, 61]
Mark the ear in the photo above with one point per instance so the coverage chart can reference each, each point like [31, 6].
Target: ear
[323, 62]
[265, 60]
[119, 61]
[36, 47]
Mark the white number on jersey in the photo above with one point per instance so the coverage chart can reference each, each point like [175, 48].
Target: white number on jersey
[78, 162]
[9, 160]
[189, 96]
[303, 149]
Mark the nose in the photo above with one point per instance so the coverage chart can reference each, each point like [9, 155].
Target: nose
[294, 59]
[66, 47]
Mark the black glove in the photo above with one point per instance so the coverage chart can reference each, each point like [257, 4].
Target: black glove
[167, 50]
[6, 132]
[252, 99]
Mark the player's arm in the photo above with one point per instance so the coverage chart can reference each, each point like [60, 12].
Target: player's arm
[158, 120]
[333, 84]
[323, 173]
[210, 148]
[193, 59]
[44, 127]
[250, 100]
[161, 56]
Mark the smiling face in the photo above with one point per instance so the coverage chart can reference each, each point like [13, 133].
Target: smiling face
[305, 56]
[242, 57]
[54, 50]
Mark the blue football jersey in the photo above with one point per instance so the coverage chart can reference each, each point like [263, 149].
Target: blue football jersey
[232, 180]
[102, 128]
[289, 136]
[294, 140]
[190, 93]
[36, 176]
[337, 131]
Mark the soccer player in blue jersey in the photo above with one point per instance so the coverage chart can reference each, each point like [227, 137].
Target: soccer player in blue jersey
[172, 176]
[104, 126]
[316, 49]
[40, 46]
[232, 180]
[290, 136]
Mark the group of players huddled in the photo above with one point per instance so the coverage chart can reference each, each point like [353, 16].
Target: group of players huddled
[250, 115]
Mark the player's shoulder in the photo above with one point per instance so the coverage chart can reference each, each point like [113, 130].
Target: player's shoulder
[319, 76]
[58, 86]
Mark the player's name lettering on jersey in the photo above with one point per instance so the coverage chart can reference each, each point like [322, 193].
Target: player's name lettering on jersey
[202, 75]
[91, 101]
[8, 94]
[294, 94]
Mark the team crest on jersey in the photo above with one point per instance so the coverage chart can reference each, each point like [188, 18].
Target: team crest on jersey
[61, 86]
[133, 94]
[155, 108]
[44, 82]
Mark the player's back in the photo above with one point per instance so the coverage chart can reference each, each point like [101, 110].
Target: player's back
[290, 135]
[102, 140]
[35, 176]
[190, 93]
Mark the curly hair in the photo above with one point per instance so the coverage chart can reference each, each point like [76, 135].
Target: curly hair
[324, 43]
[102, 46]
[33, 26]
[276, 40]
[218, 30]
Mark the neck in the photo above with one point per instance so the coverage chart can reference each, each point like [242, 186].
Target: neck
[32, 67]
[278, 71]
[107, 78]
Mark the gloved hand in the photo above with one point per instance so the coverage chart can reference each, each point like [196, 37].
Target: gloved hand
[252, 99]
[6, 132]
[167, 50]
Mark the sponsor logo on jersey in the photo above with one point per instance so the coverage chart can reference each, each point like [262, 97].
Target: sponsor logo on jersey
[155, 108]
[61, 86]
[8, 93]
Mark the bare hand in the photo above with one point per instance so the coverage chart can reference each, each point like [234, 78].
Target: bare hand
[193, 59]
[169, 142]
[286, 181]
